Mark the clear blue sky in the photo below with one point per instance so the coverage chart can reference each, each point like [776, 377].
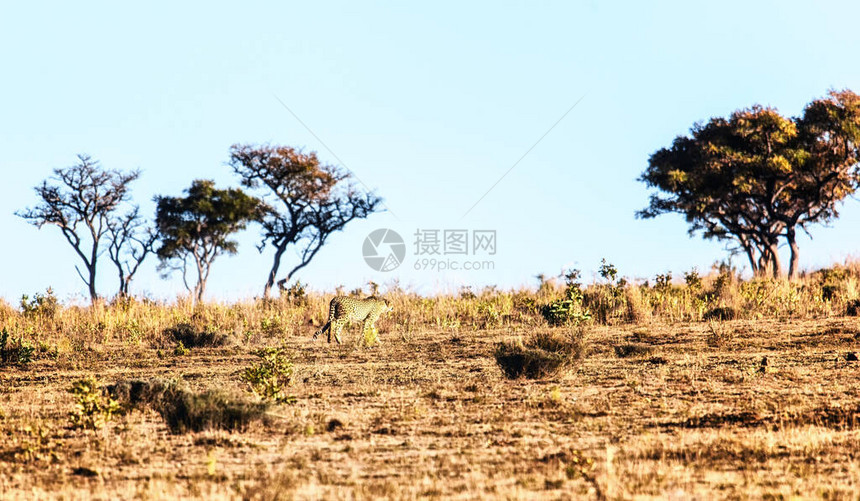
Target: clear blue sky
[429, 104]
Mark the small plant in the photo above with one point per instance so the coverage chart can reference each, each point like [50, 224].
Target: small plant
[490, 314]
[581, 466]
[272, 325]
[606, 300]
[725, 277]
[466, 292]
[15, 351]
[93, 408]
[693, 280]
[181, 350]
[42, 305]
[543, 355]
[608, 271]
[719, 335]
[663, 282]
[568, 310]
[269, 378]
[295, 294]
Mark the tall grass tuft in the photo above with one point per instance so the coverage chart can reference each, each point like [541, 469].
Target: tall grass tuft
[184, 410]
[542, 355]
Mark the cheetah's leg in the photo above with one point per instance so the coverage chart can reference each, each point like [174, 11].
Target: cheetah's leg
[336, 328]
[369, 324]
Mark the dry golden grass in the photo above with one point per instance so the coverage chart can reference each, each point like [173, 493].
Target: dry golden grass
[765, 406]
[433, 416]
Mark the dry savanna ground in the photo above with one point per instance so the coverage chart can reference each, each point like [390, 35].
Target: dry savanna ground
[688, 409]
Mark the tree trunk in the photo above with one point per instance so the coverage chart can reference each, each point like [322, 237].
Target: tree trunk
[125, 286]
[200, 286]
[94, 297]
[764, 263]
[774, 257]
[273, 273]
[794, 262]
[751, 256]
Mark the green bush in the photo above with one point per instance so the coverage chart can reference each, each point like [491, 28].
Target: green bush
[180, 350]
[42, 305]
[269, 378]
[568, 310]
[14, 351]
[295, 294]
[93, 408]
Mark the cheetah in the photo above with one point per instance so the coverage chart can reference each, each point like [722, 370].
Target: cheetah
[343, 310]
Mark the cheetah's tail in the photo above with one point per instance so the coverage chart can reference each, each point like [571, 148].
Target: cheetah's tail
[325, 327]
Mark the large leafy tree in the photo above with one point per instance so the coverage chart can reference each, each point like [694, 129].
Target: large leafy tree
[758, 177]
[82, 201]
[195, 229]
[308, 201]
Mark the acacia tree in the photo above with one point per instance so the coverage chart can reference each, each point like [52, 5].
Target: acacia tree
[757, 176]
[197, 228]
[131, 240]
[308, 201]
[82, 201]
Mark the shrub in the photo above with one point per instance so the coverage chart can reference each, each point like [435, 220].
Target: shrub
[720, 313]
[490, 314]
[606, 300]
[693, 280]
[192, 337]
[543, 355]
[184, 410]
[295, 294]
[93, 408]
[568, 310]
[14, 351]
[181, 350]
[852, 309]
[269, 378]
[42, 305]
[719, 335]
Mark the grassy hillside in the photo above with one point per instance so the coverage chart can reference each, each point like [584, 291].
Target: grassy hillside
[706, 386]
